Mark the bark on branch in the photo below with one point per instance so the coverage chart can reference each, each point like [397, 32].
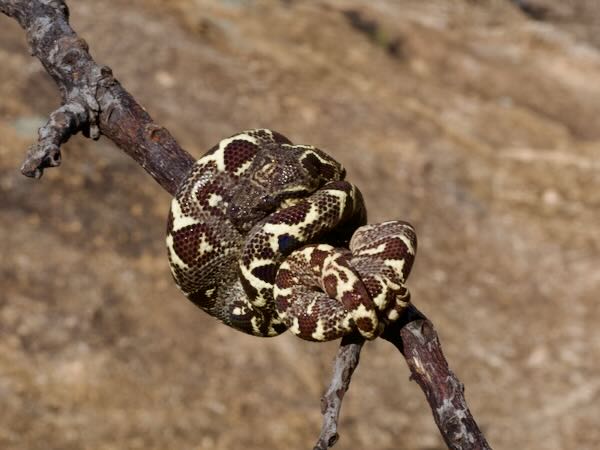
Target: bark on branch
[96, 104]
[346, 361]
[415, 337]
[93, 101]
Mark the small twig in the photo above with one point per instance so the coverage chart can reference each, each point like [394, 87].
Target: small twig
[346, 361]
[65, 122]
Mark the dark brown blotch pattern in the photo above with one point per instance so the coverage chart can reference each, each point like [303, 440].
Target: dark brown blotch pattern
[237, 153]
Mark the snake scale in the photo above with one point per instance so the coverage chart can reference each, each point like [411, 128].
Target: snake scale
[267, 236]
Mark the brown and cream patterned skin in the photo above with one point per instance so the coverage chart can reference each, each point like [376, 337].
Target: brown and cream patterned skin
[247, 204]
[242, 240]
[323, 293]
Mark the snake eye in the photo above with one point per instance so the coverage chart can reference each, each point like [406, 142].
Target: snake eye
[321, 166]
[312, 165]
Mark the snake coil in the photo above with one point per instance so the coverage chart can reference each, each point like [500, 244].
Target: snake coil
[245, 239]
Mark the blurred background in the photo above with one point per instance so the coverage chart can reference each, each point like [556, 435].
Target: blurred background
[477, 121]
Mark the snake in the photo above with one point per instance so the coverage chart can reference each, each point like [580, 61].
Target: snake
[268, 236]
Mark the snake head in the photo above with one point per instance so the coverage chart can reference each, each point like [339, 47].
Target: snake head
[279, 176]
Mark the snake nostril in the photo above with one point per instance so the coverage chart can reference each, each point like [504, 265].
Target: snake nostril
[233, 210]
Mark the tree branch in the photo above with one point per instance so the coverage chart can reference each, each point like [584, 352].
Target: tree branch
[93, 101]
[415, 337]
[419, 343]
[96, 104]
[346, 360]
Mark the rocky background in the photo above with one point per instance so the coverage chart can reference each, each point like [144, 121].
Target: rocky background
[477, 121]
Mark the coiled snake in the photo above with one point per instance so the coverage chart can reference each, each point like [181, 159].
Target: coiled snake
[246, 234]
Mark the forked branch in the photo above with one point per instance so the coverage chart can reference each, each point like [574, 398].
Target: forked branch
[96, 104]
[415, 337]
[93, 101]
